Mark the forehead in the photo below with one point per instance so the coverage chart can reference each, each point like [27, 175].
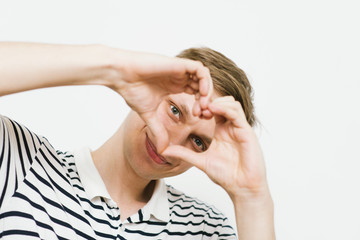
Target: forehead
[187, 101]
[190, 98]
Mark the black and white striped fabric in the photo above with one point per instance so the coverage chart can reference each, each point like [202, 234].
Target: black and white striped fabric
[48, 194]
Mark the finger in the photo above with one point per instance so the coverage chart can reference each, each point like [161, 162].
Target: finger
[206, 114]
[190, 76]
[197, 96]
[184, 70]
[204, 81]
[222, 107]
[230, 102]
[226, 102]
[201, 80]
[194, 85]
[191, 66]
[190, 90]
[157, 133]
[205, 99]
[224, 99]
[228, 114]
[196, 107]
[196, 111]
[184, 154]
[232, 111]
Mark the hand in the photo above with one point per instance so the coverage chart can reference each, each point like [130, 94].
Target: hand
[234, 159]
[147, 78]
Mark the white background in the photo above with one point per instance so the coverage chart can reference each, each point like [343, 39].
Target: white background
[303, 61]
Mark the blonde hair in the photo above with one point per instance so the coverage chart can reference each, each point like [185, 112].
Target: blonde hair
[228, 79]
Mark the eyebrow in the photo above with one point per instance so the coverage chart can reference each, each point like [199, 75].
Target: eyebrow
[186, 112]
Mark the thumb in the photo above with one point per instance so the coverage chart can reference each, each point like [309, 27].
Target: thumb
[185, 154]
[158, 133]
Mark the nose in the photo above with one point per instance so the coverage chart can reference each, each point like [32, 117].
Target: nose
[178, 134]
[164, 135]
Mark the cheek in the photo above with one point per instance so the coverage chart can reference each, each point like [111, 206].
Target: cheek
[133, 129]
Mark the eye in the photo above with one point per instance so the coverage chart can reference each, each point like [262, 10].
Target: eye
[199, 144]
[175, 111]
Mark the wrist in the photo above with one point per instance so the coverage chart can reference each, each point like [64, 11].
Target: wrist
[255, 219]
[103, 66]
[251, 196]
[254, 204]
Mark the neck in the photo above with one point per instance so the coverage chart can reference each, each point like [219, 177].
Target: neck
[123, 184]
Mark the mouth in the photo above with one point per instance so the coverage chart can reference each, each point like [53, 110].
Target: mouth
[151, 150]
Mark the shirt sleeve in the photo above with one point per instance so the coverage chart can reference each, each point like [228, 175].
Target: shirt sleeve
[226, 231]
[18, 146]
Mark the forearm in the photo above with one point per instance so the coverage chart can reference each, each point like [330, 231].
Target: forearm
[255, 218]
[27, 66]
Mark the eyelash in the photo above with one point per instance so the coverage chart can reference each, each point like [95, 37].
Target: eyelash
[172, 107]
[203, 148]
[193, 138]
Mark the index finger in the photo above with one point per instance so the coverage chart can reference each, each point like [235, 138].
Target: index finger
[200, 74]
[184, 154]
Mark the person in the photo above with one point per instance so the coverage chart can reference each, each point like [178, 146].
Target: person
[191, 110]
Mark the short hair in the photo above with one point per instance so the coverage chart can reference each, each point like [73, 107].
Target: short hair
[228, 79]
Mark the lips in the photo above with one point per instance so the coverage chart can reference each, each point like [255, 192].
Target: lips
[151, 149]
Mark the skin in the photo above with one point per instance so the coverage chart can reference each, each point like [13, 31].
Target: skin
[146, 81]
[127, 153]
[181, 128]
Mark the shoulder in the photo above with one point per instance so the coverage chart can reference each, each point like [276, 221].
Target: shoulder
[27, 148]
[11, 130]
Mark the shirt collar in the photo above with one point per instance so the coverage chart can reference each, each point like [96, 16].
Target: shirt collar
[158, 205]
[90, 177]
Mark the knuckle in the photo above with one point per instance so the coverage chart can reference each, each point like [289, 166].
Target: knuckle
[229, 98]
[199, 63]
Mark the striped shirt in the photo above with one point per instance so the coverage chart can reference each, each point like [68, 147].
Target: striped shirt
[49, 194]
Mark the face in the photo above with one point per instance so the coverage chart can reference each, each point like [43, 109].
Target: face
[181, 127]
